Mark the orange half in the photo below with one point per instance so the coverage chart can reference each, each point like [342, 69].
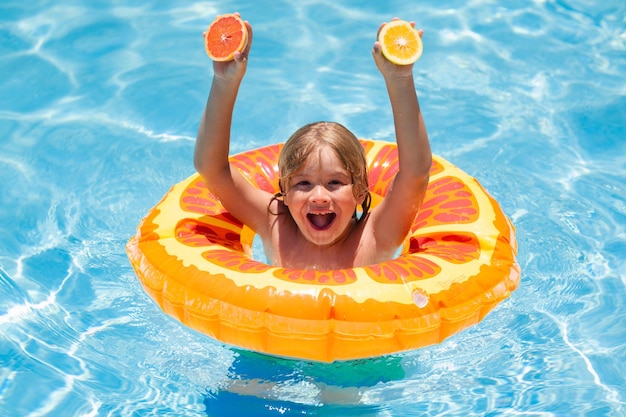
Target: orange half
[400, 42]
[225, 36]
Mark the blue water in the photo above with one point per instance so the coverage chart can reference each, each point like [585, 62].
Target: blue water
[99, 106]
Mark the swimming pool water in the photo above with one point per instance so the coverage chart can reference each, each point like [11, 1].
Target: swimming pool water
[99, 106]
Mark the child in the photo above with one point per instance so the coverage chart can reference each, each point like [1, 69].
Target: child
[312, 223]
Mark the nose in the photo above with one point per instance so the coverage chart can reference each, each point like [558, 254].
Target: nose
[319, 194]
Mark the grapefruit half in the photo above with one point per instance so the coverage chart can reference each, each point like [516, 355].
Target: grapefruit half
[226, 35]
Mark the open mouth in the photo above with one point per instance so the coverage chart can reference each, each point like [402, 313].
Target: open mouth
[321, 221]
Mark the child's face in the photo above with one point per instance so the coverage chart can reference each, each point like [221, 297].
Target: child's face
[320, 198]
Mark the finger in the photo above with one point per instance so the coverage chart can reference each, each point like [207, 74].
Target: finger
[239, 57]
[246, 50]
[376, 48]
[380, 28]
[377, 54]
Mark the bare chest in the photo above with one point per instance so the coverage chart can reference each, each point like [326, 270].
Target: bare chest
[288, 248]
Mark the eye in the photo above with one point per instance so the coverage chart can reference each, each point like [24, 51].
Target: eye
[301, 185]
[335, 184]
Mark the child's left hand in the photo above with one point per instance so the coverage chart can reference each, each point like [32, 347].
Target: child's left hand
[388, 69]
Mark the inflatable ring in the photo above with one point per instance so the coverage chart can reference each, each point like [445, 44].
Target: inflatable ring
[457, 263]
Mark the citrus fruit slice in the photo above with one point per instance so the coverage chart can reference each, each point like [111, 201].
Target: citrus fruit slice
[400, 43]
[226, 35]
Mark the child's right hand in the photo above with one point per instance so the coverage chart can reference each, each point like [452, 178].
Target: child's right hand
[234, 70]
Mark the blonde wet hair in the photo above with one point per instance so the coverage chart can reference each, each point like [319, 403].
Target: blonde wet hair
[302, 144]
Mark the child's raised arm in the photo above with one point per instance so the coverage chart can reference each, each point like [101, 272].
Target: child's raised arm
[398, 210]
[243, 200]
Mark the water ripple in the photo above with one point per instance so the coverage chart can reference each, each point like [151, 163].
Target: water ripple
[99, 106]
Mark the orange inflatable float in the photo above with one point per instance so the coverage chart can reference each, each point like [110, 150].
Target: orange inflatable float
[457, 263]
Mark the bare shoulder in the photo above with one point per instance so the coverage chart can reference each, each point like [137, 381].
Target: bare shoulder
[248, 203]
[280, 235]
[375, 242]
[390, 221]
